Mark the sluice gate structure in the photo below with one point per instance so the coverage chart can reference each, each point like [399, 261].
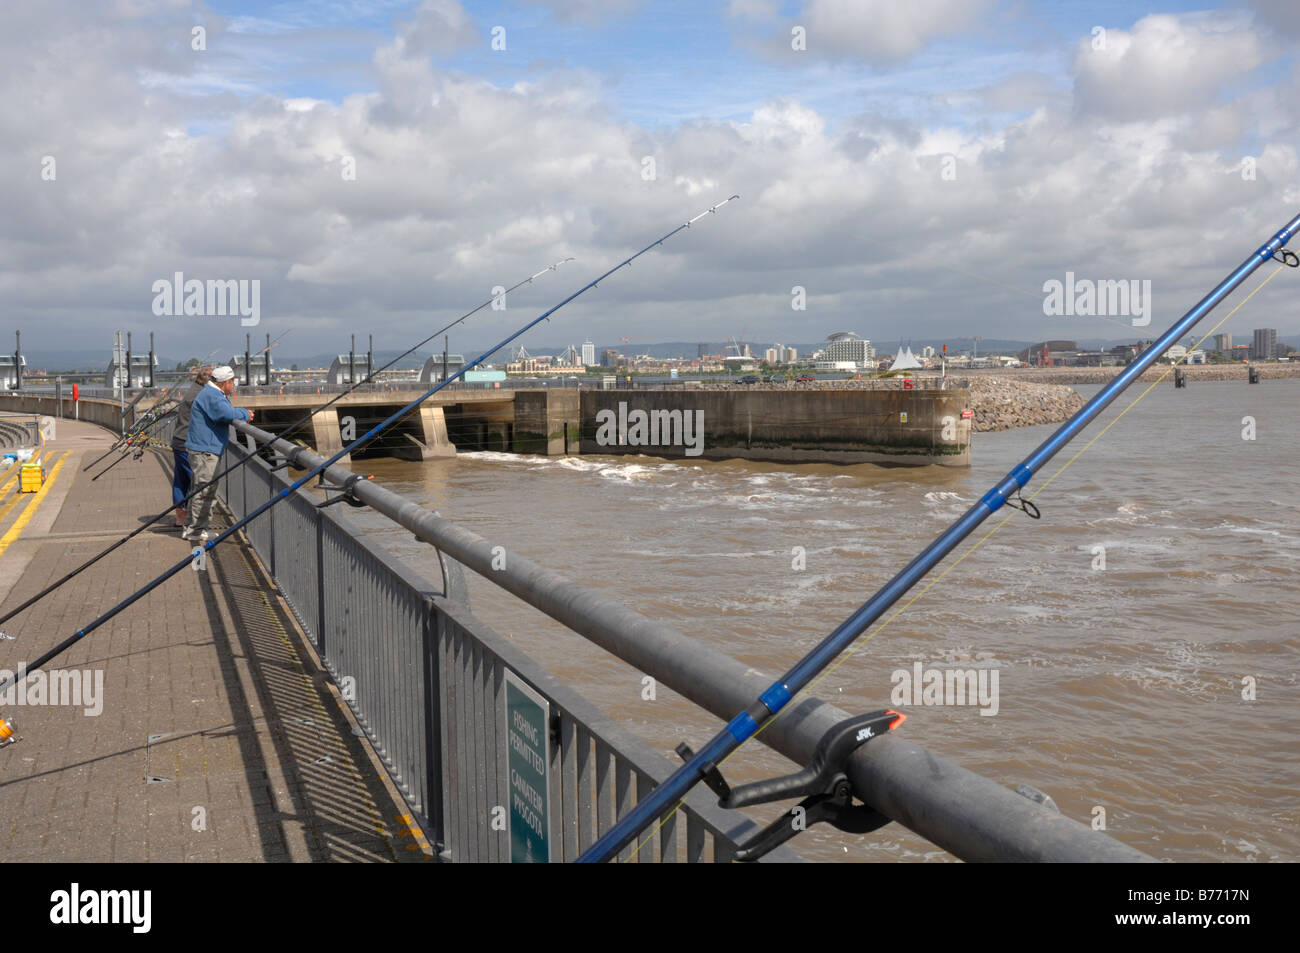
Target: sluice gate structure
[889, 422]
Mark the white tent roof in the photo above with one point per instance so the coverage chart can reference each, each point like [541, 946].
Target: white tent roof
[905, 360]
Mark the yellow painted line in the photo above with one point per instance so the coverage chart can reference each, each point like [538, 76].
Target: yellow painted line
[25, 516]
[17, 498]
[7, 483]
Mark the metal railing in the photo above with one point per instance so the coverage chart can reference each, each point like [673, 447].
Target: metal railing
[969, 815]
[426, 680]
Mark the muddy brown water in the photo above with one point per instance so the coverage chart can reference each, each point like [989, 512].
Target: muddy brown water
[1120, 689]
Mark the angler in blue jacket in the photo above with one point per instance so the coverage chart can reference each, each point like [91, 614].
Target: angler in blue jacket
[211, 414]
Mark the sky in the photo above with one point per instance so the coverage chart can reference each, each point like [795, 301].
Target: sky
[915, 170]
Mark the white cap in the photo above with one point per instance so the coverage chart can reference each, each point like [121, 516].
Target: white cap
[223, 373]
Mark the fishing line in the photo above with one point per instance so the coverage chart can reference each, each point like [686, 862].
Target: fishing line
[288, 491]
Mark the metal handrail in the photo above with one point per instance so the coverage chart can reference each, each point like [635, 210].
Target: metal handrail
[422, 675]
[971, 816]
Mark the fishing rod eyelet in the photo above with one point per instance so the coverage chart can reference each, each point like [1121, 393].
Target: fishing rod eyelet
[1025, 506]
[1288, 257]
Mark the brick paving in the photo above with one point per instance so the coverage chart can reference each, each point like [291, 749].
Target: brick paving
[221, 737]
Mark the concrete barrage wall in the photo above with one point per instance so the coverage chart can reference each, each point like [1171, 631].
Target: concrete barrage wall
[900, 427]
[104, 412]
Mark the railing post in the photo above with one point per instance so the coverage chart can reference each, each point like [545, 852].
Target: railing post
[320, 582]
[270, 521]
[432, 727]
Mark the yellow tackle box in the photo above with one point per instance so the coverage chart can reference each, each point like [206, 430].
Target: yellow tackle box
[31, 478]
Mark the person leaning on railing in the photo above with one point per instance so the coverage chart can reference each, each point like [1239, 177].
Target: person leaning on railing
[211, 415]
[182, 475]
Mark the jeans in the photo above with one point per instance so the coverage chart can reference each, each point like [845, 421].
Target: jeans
[182, 475]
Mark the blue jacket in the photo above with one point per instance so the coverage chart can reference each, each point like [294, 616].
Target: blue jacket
[210, 417]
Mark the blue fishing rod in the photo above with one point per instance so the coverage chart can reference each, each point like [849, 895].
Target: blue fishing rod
[6, 730]
[702, 766]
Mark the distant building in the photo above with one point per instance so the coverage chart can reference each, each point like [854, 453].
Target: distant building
[1265, 346]
[431, 372]
[905, 360]
[257, 369]
[1223, 343]
[8, 373]
[588, 354]
[139, 375]
[609, 358]
[847, 346]
[345, 369]
[703, 351]
[1048, 353]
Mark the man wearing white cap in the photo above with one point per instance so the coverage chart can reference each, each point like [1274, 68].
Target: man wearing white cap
[210, 417]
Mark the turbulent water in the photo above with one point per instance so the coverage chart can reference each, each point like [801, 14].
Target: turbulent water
[1120, 686]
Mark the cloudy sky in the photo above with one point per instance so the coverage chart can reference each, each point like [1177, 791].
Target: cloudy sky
[920, 168]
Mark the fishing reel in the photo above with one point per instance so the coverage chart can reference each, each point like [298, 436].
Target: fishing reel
[7, 736]
[823, 783]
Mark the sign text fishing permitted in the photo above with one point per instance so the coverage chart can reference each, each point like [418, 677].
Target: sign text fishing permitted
[528, 761]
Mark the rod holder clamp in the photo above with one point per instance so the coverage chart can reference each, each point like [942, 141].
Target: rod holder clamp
[290, 459]
[823, 784]
[347, 490]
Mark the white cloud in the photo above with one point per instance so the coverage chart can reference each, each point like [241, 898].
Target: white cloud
[461, 185]
[884, 31]
[438, 26]
[1165, 65]
[1282, 15]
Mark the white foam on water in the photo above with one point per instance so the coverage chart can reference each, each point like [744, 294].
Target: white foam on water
[582, 466]
[496, 456]
[628, 473]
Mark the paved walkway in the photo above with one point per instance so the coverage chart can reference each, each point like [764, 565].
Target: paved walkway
[217, 735]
